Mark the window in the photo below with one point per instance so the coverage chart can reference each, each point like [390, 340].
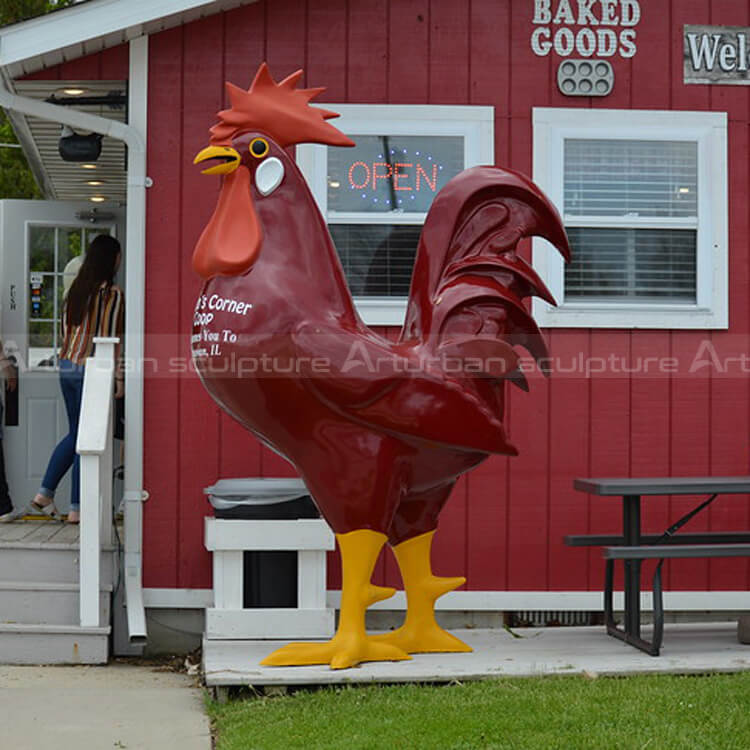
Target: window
[376, 195]
[643, 196]
[51, 248]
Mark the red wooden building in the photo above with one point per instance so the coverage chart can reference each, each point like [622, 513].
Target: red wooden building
[649, 346]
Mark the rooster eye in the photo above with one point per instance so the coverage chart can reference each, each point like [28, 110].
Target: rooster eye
[259, 147]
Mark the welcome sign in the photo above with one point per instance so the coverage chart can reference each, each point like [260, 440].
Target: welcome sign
[717, 55]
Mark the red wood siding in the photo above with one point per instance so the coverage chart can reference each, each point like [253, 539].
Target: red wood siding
[504, 525]
[109, 65]
[505, 522]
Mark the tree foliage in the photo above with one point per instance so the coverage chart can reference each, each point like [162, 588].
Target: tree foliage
[16, 179]
[12, 11]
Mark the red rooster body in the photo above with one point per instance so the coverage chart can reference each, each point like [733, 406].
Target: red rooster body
[379, 431]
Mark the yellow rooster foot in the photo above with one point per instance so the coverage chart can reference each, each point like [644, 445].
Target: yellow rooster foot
[351, 645]
[429, 639]
[420, 633]
[339, 653]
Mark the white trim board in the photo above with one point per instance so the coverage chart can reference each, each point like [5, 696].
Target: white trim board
[269, 623]
[551, 126]
[494, 601]
[568, 601]
[178, 598]
[237, 534]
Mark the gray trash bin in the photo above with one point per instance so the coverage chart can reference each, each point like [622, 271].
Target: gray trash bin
[269, 578]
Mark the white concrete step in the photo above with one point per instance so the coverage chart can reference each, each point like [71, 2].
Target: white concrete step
[27, 603]
[45, 551]
[47, 564]
[39, 596]
[53, 644]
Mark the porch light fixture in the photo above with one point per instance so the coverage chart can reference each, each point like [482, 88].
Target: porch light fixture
[75, 96]
[94, 215]
[97, 199]
[75, 147]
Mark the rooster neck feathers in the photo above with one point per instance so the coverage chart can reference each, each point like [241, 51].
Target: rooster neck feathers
[279, 109]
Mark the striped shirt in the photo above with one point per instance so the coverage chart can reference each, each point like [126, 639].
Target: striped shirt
[104, 319]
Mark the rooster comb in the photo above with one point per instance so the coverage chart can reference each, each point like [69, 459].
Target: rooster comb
[280, 110]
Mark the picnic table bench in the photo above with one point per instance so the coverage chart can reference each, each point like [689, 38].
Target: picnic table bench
[633, 547]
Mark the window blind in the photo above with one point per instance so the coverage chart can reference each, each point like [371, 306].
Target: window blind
[377, 258]
[656, 264]
[628, 181]
[631, 178]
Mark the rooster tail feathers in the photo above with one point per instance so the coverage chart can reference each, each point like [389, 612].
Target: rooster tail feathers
[495, 304]
[469, 282]
[526, 280]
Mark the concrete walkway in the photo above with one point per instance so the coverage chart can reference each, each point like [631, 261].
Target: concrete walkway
[92, 708]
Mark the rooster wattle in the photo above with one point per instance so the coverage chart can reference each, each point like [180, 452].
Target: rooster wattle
[379, 431]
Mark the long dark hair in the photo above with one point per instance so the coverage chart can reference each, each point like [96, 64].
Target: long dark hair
[98, 267]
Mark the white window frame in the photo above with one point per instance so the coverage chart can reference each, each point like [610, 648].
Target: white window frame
[474, 123]
[709, 130]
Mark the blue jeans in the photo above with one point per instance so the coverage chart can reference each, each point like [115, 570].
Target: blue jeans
[64, 456]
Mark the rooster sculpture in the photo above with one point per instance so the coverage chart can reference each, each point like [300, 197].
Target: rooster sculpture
[379, 430]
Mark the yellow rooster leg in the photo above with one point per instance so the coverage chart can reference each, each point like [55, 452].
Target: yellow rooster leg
[350, 645]
[420, 633]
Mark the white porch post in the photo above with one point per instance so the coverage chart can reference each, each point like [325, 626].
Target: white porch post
[90, 575]
[94, 446]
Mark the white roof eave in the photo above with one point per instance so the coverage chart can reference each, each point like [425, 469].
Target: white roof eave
[88, 27]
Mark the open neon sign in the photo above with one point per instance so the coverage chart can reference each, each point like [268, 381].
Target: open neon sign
[383, 174]
[406, 176]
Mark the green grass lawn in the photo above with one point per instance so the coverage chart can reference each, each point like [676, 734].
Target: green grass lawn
[654, 712]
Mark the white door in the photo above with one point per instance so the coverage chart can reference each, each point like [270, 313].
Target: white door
[37, 239]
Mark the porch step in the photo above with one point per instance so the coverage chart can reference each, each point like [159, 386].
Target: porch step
[53, 644]
[50, 564]
[39, 596]
[42, 535]
[22, 602]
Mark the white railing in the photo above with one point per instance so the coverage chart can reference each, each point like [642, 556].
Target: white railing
[94, 447]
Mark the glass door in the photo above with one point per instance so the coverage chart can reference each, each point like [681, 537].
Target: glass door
[39, 240]
[55, 254]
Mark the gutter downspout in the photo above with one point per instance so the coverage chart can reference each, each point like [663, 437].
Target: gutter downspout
[135, 275]
[134, 136]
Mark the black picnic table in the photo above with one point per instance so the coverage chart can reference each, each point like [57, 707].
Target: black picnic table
[633, 547]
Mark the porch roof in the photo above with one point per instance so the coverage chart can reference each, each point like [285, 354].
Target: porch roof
[91, 26]
[84, 28]
[64, 180]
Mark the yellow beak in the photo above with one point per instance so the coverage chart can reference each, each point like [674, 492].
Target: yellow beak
[229, 159]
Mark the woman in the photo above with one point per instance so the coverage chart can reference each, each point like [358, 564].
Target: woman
[8, 371]
[93, 307]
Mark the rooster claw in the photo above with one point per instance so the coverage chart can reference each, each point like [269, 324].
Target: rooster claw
[427, 639]
[338, 653]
